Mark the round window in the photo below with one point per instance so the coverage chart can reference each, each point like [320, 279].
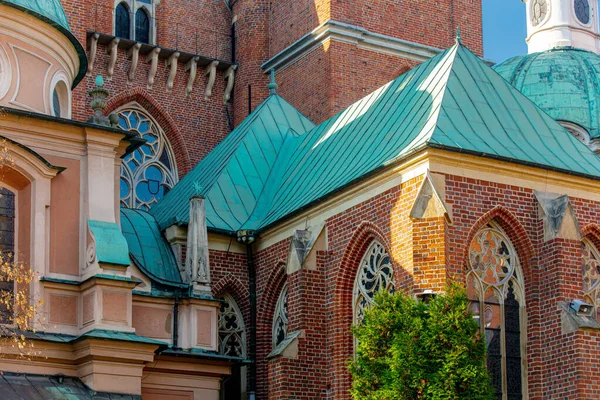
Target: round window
[539, 10]
[582, 11]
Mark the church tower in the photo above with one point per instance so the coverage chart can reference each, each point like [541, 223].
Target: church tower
[562, 23]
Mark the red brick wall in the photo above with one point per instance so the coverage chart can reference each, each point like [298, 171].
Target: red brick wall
[553, 272]
[330, 78]
[252, 41]
[289, 20]
[334, 76]
[193, 125]
[425, 254]
[320, 301]
[229, 274]
[433, 23]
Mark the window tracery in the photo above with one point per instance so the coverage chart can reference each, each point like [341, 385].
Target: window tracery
[591, 274]
[231, 329]
[149, 172]
[495, 287]
[280, 318]
[375, 273]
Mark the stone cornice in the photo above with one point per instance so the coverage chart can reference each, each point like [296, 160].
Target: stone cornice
[352, 34]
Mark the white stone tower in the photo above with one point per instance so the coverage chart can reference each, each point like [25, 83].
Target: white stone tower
[556, 23]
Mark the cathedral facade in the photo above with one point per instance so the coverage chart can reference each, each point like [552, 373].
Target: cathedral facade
[211, 192]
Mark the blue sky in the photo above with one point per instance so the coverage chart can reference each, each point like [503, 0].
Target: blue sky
[504, 29]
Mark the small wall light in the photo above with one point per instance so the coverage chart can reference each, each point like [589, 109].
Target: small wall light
[426, 295]
[582, 308]
[246, 236]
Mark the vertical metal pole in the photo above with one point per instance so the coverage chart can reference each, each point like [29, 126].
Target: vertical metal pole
[252, 347]
[249, 99]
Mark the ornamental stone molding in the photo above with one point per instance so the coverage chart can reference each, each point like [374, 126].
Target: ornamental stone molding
[352, 34]
[429, 202]
[303, 246]
[559, 218]
[152, 54]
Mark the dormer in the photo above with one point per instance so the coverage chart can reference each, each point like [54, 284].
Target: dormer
[562, 23]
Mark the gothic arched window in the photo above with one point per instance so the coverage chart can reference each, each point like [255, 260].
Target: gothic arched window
[122, 21]
[148, 173]
[280, 318]
[232, 342]
[136, 20]
[375, 273]
[495, 287]
[142, 26]
[231, 329]
[591, 274]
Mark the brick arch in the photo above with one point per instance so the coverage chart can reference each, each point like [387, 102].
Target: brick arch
[166, 122]
[361, 239]
[235, 288]
[515, 232]
[275, 282]
[592, 232]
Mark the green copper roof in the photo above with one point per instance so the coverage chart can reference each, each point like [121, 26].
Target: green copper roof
[233, 177]
[111, 246]
[564, 82]
[49, 9]
[453, 102]
[148, 249]
[53, 13]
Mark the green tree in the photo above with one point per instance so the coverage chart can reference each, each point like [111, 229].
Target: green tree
[414, 350]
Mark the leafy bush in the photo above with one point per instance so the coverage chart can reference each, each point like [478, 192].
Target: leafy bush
[414, 350]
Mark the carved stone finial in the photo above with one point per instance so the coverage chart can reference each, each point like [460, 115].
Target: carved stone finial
[197, 188]
[98, 103]
[197, 269]
[458, 36]
[272, 84]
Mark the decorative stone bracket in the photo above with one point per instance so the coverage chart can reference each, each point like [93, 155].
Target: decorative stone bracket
[559, 218]
[197, 269]
[152, 54]
[230, 77]
[303, 248]
[429, 202]
[288, 348]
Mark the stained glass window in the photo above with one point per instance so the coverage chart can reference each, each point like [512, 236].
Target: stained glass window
[591, 274]
[122, 22]
[495, 287]
[375, 273]
[280, 318]
[582, 11]
[231, 329]
[142, 26]
[148, 173]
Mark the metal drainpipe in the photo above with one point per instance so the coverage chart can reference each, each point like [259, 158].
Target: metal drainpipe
[176, 322]
[247, 237]
[252, 347]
